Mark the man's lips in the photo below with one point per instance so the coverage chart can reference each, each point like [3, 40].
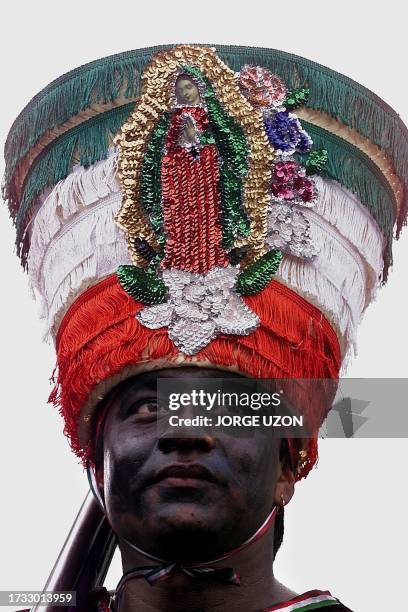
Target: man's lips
[183, 475]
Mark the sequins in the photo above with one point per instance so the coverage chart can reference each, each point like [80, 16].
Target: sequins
[289, 231]
[191, 198]
[247, 173]
[199, 308]
[296, 98]
[316, 161]
[288, 228]
[143, 285]
[289, 183]
[258, 275]
[285, 133]
[261, 87]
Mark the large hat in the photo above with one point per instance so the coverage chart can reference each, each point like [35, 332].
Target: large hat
[230, 208]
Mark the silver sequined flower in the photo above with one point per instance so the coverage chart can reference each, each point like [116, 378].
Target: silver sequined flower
[199, 307]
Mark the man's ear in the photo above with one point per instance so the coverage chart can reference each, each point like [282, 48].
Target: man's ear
[98, 463]
[99, 479]
[285, 484]
[96, 482]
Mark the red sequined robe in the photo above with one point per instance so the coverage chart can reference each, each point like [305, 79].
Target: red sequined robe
[191, 197]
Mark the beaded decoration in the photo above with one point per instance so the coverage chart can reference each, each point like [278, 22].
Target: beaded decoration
[291, 189]
[211, 193]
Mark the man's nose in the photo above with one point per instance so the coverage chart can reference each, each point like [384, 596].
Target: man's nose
[186, 437]
[192, 441]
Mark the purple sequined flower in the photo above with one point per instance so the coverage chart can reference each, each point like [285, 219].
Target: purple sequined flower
[285, 133]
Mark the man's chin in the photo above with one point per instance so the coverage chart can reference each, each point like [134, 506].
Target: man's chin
[182, 531]
[188, 522]
[190, 536]
[188, 515]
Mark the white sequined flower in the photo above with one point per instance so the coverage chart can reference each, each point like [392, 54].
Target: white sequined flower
[199, 307]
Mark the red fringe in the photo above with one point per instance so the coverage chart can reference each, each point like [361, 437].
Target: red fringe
[99, 336]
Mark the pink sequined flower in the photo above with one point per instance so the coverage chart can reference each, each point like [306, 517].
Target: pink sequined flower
[289, 182]
[261, 87]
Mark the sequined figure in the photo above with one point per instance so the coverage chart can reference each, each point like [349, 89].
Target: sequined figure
[201, 299]
[190, 186]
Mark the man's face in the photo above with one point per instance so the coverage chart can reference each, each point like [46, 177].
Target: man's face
[178, 496]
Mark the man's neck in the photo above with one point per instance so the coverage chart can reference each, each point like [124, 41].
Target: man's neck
[179, 593]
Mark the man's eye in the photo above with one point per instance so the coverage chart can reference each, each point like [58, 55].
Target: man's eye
[146, 407]
[143, 409]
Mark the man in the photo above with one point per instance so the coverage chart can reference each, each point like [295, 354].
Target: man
[193, 498]
[229, 255]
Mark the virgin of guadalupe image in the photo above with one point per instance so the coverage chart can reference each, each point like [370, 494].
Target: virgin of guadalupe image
[199, 163]
[191, 190]
[190, 178]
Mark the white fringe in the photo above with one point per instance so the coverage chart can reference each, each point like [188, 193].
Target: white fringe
[335, 281]
[86, 249]
[87, 273]
[339, 261]
[82, 188]
[342, 209]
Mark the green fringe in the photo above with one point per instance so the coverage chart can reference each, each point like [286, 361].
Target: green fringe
[103, 79]
[356, 171]
[85, 144]
[142, 285]
[258, 275]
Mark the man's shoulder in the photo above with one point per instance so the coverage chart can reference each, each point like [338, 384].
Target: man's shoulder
[308, 601]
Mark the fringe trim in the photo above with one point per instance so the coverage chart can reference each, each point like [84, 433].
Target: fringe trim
[119, 75]
[340, 261]
[342, 209]
[81, 188]
[334, 126]
[84, 144]
[355, 170]
[100, 337]
[81, 252]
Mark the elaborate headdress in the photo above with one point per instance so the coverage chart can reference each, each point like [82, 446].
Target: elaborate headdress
[245, 227]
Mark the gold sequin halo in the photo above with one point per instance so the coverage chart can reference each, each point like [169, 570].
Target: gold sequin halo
[156, 98]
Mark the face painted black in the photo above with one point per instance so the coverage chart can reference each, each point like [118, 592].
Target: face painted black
[176, 497]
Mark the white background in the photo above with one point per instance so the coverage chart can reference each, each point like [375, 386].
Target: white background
[346, 526]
